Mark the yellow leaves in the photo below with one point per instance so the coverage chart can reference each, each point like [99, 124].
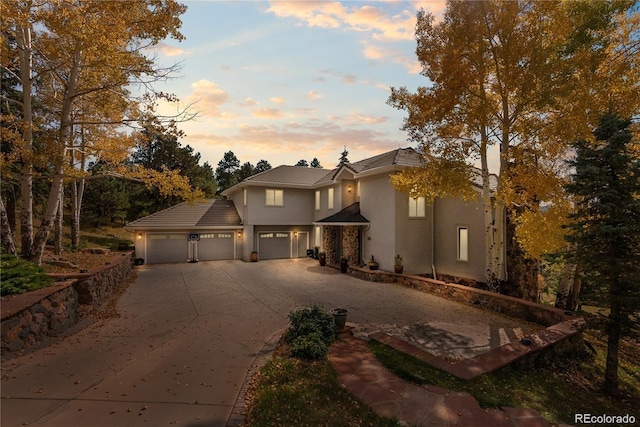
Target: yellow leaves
[436, 179]
[168, 182]
[541, 231]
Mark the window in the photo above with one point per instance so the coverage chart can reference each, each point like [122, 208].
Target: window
[282, 235]
[417, 207]
[318, 235]
[274, 197]
[330, 198]
[317, 200]
[245, 196]
[463, 244]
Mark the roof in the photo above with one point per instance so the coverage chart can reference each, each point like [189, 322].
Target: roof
[306, 177]
[210, 213]
[348, 216]
[300, 175]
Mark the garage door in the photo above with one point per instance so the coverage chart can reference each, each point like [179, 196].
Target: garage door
[213, 246]
[274, 245]
[170, 247]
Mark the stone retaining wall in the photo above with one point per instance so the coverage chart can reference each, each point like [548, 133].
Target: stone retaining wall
[30, 318]
[562, 335]
[511, 306]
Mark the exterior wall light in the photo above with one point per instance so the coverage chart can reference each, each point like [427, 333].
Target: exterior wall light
[240, 233]
[349, 188]
[295, 234]
[139, 236]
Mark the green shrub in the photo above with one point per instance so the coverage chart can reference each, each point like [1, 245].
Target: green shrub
[309, 347]
[18, 276]
[312, 319]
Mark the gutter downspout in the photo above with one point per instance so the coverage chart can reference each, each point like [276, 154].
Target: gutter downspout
[363, 240]
[433, 238]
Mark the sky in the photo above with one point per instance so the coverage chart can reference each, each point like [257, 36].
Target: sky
[285, 81]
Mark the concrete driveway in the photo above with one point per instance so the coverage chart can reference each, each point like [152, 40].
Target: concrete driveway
[188, 333]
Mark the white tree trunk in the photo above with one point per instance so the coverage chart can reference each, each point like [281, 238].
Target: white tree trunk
[6, 235]
[24, 42]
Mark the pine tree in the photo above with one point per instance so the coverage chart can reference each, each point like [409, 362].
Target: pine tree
[606, 228]
[315, 163]
[343, 157]
[302, 162]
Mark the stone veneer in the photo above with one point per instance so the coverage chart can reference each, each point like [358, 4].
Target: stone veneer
[350, 249]
[31, 317]
[330, 243]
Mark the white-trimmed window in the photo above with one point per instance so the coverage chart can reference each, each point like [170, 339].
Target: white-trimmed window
[318, 235]
[417, 207]
[463, 244]
[330, 198]
[244, 195]
[317, 200]
[273, 197]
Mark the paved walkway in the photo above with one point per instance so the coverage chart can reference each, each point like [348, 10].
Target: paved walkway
[361, 373]
[188, 333]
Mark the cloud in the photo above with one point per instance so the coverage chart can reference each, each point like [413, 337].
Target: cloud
[313, 95]
[267, 113]
[380, 53]
[168, 50]
[208, 97]
[332, 14]
[346, 78]
[277, 100]
[248, 102]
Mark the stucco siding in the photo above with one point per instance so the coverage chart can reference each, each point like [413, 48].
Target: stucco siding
[451, 214]
[298, 207]
[413, 237]
[377, 204]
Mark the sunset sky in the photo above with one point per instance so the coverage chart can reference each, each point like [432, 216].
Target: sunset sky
[284, 81]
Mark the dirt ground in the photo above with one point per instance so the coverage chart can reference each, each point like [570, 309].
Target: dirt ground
[73, 262]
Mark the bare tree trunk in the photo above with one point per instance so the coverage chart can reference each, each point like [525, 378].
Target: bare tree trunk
[616, 321]
[564, 288]
[8, 245]
[77, 193]
[57, 243]
[572, 301]
[23, 40]
[64, 136]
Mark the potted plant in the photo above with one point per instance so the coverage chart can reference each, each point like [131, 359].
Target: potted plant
[254, 256]
[323, 258]
[344, 264]
[397, 266]
[339, 317]
[373, 265]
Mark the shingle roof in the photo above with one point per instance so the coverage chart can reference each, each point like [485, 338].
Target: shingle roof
[300, 175]
[350, 214]
[207, 213]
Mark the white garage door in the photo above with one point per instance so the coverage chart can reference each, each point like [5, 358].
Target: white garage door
[274, 245]
[171, 247]
[213, 246]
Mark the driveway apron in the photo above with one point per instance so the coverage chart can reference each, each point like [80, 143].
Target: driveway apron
[188, 333]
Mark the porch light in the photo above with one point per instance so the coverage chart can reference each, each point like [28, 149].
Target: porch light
[295, 234]
[139, 236]
[239, 233]
[349, 188]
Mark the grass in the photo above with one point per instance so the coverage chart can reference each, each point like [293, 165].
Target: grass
[293, 392]
[558, 392]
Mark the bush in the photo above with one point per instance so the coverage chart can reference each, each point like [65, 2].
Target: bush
[307, 320]
[19, 276]
[309, 347]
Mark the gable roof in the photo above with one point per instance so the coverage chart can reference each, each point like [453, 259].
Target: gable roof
[210, 213]
[348, 216]
[306, 177]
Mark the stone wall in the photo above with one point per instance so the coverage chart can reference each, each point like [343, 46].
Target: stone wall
[350, 244]
[330, 243]
[32, 317]
[562, 335]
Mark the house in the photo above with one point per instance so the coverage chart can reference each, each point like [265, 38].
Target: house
[349, 212]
